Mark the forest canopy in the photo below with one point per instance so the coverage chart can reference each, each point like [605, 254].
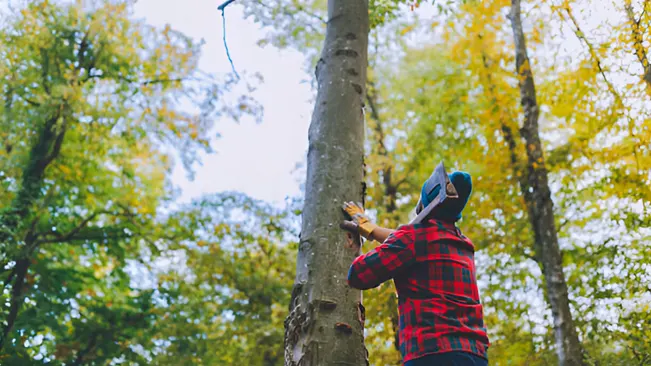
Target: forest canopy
[103, 264]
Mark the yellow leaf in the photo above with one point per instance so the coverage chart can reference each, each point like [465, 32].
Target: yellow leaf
[406, 30]
[64, 169]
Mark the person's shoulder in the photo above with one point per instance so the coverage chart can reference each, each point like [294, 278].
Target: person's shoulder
[423, 231]
[446, 230]
[440, 225]
[406, 229]
[412, 229]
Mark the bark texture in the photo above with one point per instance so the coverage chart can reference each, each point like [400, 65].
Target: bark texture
[568, 348]
[326, 321]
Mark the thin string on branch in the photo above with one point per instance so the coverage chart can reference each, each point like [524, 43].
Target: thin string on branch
[222, 7]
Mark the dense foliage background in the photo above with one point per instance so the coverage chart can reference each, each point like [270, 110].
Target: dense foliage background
[101, 265]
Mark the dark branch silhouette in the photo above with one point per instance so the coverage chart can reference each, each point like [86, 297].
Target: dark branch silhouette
[222, 8]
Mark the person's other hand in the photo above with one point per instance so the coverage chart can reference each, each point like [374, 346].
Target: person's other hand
[360, 222]
[349, 226]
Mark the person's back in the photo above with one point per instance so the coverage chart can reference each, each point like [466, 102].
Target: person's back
[442, 285]
[432, 265]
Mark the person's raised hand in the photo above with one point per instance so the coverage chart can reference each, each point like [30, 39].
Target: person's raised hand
[360, 223]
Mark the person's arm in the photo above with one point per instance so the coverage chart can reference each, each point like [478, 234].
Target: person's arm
[380, 234]
[362, 225]
[384, 262]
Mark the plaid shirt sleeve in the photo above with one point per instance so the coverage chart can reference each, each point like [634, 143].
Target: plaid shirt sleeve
[385, 261]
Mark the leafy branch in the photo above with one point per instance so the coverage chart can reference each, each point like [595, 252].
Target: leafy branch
[74, 234]
[638, 39]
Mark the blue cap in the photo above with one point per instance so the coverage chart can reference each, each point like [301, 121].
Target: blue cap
[451, 208]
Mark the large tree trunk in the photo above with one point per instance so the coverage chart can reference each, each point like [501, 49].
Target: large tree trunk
[326, 321]
[568, 347]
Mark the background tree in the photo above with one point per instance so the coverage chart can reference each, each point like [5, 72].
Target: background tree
[118, 271]
[90, 99]
[537, 196]
[226, 285]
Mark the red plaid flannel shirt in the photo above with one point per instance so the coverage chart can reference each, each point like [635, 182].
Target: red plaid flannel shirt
[433, 267]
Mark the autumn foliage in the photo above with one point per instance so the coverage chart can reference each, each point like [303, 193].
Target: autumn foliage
[101, 265]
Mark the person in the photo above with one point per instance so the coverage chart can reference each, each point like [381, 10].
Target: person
[432, 265]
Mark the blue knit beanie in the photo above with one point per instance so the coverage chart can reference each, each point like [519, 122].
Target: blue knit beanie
[450, 209]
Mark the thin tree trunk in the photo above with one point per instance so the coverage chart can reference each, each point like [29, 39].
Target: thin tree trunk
[390, 187]
[326, 321]
[568, 347]
[44, 151]
[390, 196]
[17, 297]
[509, 136]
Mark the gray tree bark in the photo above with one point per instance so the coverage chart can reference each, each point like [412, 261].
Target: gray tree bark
[326, 321]
[568, 347]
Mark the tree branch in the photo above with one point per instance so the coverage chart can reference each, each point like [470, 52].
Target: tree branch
[507, 131]
[83, 46]
[390, 188]
[56, 149]
[299, 9]
[161, 81]
[619, 101]
[29, 101]
[91, 234]
[10, 277]
[582, 38]
[77, 232]
[224, 5]
[370, 99]
[84, 222]
[44, 69]
[638, 40]
[510, 138]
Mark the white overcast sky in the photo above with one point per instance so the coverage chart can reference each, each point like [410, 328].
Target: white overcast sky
[257, 159]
